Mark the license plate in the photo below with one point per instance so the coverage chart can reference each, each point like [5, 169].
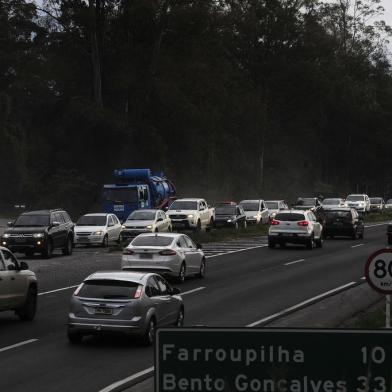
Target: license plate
[20, 239]
[338, 224]
[83, 239]
[146, 255]
[104, 311]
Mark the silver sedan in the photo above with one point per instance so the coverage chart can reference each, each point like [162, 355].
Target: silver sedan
[170, 254]
[130, 303]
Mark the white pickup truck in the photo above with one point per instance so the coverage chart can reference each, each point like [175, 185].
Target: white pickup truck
[192, 214]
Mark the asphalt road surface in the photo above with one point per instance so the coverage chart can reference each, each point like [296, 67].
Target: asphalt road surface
[244, 287]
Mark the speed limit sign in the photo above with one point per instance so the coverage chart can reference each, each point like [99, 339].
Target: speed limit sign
[378, 271]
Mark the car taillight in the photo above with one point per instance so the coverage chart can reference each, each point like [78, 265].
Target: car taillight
[274, 222]
[138, 292]
[76, 292]
[167, 252]
[128, 252]
[303, 223]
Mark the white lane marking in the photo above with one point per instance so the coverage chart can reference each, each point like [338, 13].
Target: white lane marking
[17, 345]
[192, 291]
[363, 278]
[378, 224]
[357, 246]
[294, 307]
[295, 262]
[236, 251]
[127, 380]
[57, 290]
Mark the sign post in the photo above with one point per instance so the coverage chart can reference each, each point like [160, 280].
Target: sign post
[378, 272]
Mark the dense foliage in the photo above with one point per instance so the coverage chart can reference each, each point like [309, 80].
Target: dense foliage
[230, 98]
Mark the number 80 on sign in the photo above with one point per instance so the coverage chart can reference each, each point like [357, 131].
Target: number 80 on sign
[378, 271]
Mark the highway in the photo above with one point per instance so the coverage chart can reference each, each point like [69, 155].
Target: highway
[245, 287]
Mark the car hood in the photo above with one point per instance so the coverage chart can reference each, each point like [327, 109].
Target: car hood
[185, 212]
[138, 223]
[79, 229]
[25, 230]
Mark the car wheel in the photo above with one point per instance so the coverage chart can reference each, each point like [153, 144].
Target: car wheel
[198, 226]
[319, 242]
[47, 253]
[181, 274]
[27, 311]
[362, 235]
[245, 224]
[149, 335]
[236, 225]
[202, 271]
[210, 225]
[156, 230]
[74, 337]
[105, 242]
[310, 243]
[271, 244]
[180, 318]
[68, 247]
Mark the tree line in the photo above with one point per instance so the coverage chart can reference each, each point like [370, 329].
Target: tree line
[230, 98]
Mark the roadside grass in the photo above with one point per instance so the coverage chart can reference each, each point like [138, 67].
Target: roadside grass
[227, 233]
[374, 217]
[374, 319]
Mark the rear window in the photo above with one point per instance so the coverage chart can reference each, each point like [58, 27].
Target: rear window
[108, 289]
[152, 241]
[291, 217]
[331, 202]
[338, 214]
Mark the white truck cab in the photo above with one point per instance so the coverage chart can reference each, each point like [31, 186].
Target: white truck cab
[194, 214]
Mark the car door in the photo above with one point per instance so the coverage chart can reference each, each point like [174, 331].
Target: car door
[263, 212]
[58, 233]
[160, 223]
[16, 280]
[117, 227]
[170, 303]
[110, 227]
[194, 256]
[4, 286]
[317, 228]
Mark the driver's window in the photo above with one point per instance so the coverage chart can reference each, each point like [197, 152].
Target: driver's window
[163, 286]
[9, 259]
[189, 243]
[152, 289]
[238, 211]
[201, 207]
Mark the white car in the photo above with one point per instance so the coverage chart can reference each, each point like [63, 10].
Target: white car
[275, 206]
[255, 211]
[377, 204]
[145, 221]
[192, 214]
[388, 204]
[295, 227]
[332, 203]
[360, 202]
[170, 254]
[18, 286]
[97, 229]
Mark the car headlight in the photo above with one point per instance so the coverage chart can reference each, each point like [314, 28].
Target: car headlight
[273, 214]
[38, 235]
[6, 235]
[99, 232]
[229, 220]
[190, 216]
[255, 216]
[123, 226]
[149, 227]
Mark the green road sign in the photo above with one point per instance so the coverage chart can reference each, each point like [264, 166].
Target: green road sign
[272, 360]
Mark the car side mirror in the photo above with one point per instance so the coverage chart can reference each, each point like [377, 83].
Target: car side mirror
[11, 267]
[175, 291]
[55, 224]
[23, 266]
[199, 246]
[10, 224]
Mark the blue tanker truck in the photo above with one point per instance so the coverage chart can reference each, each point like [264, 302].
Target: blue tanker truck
[135, 189]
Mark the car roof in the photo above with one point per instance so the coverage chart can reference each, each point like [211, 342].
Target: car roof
[274, 201]
[189, 199]
[119, 275]
[98, 214]
[172, 235]
[293, 211]
[42, 212]
[251, 201]
[357, 194]
[339, 209]
[146, 210]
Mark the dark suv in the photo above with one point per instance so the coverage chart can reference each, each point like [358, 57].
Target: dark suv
[40, 232]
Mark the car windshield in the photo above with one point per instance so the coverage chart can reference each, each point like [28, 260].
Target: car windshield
[108, 289]
[375, 200]
[251, 206]
[225, 210]
[155, 240]
[272, 205]
[184, 205]
[355, 198]
[142, 215]
[290, 217]
[124, 195]
[91, 220]
[32, 220]
[338, 214]
[305, 202]
[331, 202]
